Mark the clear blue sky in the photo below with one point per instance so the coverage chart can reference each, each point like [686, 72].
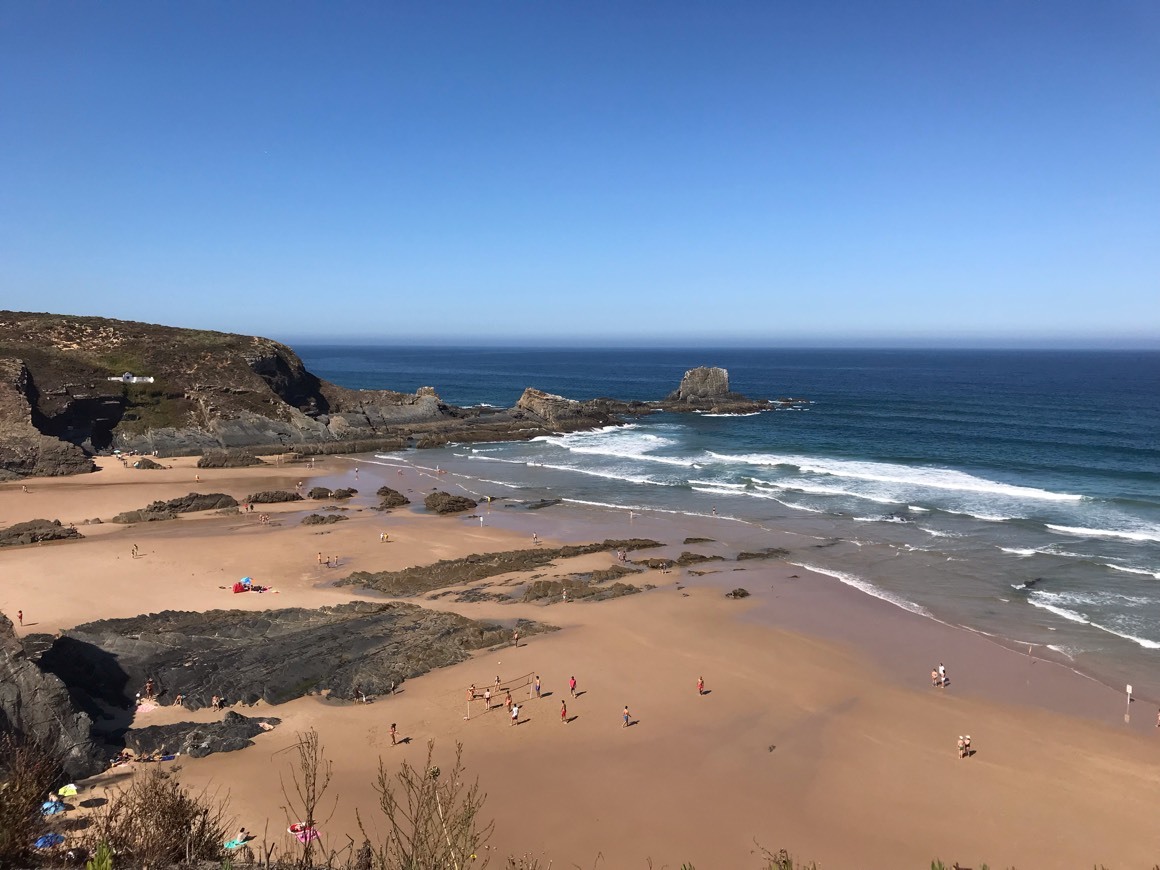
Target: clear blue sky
[771, 172]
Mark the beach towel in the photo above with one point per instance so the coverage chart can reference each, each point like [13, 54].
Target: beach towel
[69, 790]
[304, 833]
[235, 844]
[48, 841]
[51, 808]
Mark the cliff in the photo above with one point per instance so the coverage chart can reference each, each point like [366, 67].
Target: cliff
[36, 706]
[74, 386]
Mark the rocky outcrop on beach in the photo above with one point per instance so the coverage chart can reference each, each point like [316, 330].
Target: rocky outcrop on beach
[323, 519]
[272, 496]
[479, 566]
[36, 706]
[272, 655]
[440, 502]
[228, 459]
[74, 386]
[390, 498]
[37, 532]
[199, 739]
[167, 510]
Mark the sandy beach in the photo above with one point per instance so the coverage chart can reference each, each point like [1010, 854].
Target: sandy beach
[819, 731]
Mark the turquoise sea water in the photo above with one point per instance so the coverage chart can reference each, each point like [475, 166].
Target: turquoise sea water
[1016, 493]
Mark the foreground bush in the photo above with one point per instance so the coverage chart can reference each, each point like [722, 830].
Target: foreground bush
[157, 821]
[432, 817]
[27, 773]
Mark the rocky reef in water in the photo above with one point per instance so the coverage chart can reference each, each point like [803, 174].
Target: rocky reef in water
[71, 387]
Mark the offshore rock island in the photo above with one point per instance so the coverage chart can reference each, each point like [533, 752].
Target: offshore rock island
[73, 387]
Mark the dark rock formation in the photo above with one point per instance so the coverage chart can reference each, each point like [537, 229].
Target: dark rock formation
[705, 382]
[36, 706]
[147, 464]
[273, 496]
[272, 655]
[738, 593]
[454, 572]
[552, 591]
[767, 553]
[228, 459]
[168, 510]
[323, 519]
[688, 541]
[198, 739]
[688, 558]
[25, 449]
[344, 493]
[35, 532]
[144, 516]
[391, 498]
[319, 492]
[445, 503]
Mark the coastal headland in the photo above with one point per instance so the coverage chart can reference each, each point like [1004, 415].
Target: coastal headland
[72, 387]
[819, 730]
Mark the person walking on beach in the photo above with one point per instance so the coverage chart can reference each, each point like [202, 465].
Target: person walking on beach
[508, 702]
[135, 551]
[700, 685]
[497, 682]
[20, 619]
[564, 711]
[537, 687]
[942, 675]
[572, 685]
[319, 557]
[935, 679]
[627, 716]
[394, 734]
[487, 698]
[1157, 712]
[516, 637]
[515, 714]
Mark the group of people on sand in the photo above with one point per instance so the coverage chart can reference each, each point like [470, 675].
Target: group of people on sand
[938, 677]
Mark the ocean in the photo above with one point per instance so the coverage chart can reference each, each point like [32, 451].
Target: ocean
[1015, 493]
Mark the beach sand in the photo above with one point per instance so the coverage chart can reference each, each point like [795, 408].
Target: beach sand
[819, 733]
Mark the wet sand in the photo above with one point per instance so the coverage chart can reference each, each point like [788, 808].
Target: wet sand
[820, 732]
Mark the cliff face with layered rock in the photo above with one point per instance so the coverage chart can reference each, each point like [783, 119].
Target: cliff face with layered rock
[74, 386]
[36, 706]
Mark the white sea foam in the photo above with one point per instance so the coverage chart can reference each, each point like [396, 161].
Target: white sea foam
[817, 489]
[938, 533]
[1069, 615]
[865, 586]
[1019, 551]
[918, 509]
[706, 414]
[1149, 533]
[499, 483]
[1128, 569]
[907, 475]
[718, 484]
[1142, 641]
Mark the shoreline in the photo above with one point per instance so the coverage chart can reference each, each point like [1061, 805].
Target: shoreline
[832, 678]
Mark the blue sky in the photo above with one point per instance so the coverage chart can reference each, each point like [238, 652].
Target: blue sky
[768, 173]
